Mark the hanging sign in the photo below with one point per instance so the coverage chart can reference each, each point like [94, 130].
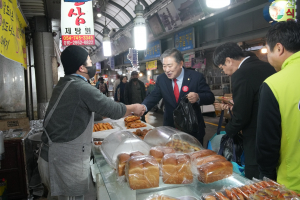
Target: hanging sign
[98, 68]
[12, 32]
[188, 58]
[126, 61]
[112, 63]
[281, 10]
[184, 40]
[77, 23]
[153, 50]
[133, 57]
[77, 0]
[152, 65]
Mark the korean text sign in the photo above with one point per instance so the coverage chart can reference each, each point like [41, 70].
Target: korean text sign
[153, 50]
[281, 10]
[12, 32]
[77, 23]
[152, 65]
[184, 40]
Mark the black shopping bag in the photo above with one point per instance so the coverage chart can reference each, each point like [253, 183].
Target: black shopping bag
[185, 118]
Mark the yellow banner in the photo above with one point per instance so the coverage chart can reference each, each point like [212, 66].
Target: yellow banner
[12, 32]
[152, 65]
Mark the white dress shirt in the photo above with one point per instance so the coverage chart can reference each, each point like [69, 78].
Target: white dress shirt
[179, 80]
[243, 61]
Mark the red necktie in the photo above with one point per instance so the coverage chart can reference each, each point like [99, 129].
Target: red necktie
[176, 90]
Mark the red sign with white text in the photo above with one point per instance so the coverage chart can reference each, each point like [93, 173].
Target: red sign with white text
[77, 23]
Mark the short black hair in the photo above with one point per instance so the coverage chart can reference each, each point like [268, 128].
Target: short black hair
[175, 53]
[229, 49]
[285, 33]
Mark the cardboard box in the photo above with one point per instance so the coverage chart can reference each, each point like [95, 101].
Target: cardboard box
[19, 123]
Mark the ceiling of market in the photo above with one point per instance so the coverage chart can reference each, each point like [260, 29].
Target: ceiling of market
[118, 13]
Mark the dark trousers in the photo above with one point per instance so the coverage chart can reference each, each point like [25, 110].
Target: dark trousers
[251, 171]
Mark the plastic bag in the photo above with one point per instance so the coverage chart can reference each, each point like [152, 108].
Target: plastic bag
[176, 169]
[232, 148]
[185, 118]
[142, 172]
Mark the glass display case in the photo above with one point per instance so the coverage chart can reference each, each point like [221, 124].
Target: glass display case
[120, 190]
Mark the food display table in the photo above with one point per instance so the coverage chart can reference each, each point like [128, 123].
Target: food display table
[120, 191]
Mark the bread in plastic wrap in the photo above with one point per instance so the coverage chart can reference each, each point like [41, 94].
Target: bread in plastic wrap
[176, 169]
[203, 160]
[158, 152]
[274, 192]
[201, 154]
[214, 171]
[142, 172]
[221, 196]
[160, 197]
[121, 161]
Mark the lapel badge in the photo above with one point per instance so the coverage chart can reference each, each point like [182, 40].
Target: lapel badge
[185, 88]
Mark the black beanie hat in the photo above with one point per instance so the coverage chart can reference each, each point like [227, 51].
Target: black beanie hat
[72, 58]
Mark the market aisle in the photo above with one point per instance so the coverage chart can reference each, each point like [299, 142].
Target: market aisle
[156, 119]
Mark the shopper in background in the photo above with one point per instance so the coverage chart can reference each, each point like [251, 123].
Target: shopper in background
[176, 83]
[103, 86]
[117, 82]
[97, 84]
[120, 90]
[278, 124]
[135, 91]
[64, 161]
[247, 74]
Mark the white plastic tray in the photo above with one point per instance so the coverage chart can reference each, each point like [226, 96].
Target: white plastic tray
[104, 134]
[121, 123]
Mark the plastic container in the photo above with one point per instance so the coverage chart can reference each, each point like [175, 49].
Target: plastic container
[169, 136]
[121, 142]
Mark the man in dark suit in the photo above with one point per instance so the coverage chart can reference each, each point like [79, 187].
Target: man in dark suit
[176, 83]
[247, 74]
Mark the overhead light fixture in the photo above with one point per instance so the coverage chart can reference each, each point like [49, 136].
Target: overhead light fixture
[264, 50]
[140, 36]
[149, 73]
[140, 74]
[99, 15]
[217, 3]
[106, 41]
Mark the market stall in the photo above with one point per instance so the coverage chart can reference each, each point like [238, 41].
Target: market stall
[166, 161]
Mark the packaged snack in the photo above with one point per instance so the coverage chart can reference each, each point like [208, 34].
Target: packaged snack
[198, 161]
[142, 172]
[176, 169]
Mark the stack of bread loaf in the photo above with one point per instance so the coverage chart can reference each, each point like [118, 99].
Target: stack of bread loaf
[210, 167]
[122, 159]
[158, 152]
[142, 172]
[176, 169]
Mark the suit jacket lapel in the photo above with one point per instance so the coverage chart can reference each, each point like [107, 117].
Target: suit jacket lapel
[186, 81]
